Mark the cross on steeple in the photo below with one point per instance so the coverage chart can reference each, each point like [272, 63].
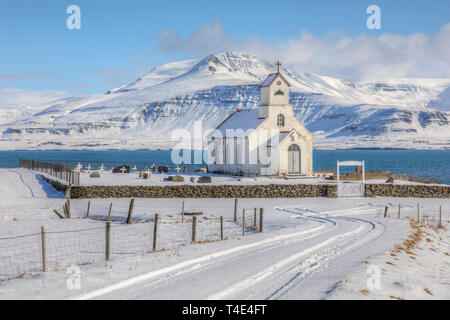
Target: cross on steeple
[278, 64]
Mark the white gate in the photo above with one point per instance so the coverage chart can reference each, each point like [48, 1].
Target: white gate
[350, 188]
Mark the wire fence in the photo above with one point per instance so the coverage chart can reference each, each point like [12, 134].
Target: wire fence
[56, 169]
[437, 216]
[48, 250]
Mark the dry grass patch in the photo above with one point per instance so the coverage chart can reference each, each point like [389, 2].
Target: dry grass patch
[364, 292]
[428, 291]
[396, 298]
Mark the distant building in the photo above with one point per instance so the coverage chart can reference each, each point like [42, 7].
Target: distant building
[267, 141]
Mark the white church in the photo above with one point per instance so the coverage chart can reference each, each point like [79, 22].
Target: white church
[267, 141]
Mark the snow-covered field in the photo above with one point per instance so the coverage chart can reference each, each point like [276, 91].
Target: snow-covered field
[310, 249]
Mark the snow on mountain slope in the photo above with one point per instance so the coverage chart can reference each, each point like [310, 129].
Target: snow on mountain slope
[19, 103]
[142, 114]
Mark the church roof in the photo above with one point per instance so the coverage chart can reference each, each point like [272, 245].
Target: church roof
[244, 119]
[269, 80]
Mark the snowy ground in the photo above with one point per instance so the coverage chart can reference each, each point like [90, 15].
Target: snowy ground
[310, 249]
[107, 178]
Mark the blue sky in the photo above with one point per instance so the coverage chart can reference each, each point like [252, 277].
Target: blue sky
[121, 40]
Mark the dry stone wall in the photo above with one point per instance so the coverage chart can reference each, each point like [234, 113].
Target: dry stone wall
[248, 191]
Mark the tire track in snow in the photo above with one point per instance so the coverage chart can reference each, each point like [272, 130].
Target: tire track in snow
[23, 182]
[307, 266]
[318, 262]
[257, 278]
[200, 263]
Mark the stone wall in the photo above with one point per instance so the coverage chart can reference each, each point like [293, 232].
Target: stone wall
[248, 191]
[55, 184]
[205, 191]
[407, 191]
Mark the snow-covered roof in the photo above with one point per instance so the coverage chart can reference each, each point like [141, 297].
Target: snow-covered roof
[271, 78]
[244, 119]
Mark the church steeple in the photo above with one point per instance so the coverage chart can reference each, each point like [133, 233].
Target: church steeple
[274, 92]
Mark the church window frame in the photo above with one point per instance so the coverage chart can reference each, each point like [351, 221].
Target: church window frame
[281, 120]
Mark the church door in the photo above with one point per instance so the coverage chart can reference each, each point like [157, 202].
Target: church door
[294, 156]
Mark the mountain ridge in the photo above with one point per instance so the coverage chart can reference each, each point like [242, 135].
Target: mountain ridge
[341, 114]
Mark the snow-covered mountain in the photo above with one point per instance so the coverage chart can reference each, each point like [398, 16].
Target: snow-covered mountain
[410, 113]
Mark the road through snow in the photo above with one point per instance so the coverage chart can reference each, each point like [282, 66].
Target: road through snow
[263, 270]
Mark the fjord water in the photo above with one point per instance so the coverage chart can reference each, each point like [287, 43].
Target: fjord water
[429, 164]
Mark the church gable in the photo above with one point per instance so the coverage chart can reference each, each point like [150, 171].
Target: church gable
[275, 90]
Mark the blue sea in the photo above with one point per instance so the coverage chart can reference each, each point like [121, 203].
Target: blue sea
[433, 164]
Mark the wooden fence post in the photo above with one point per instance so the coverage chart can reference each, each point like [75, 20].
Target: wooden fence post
[418, 213]
[385, 211]
[58, 214]
[254, 220]
[155, 232]
[221, 228]
[399, 211]
[130, 212]
[44, 250]
[88, 209]
[69, 214]
[182, 212]
[440, 217]
[261, 219]
[109, 212]
[108, 238]
[235, 209]
[194, 229]
[243, 223]
[66, 214]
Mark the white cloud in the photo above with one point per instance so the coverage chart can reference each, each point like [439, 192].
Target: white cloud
[361, 57]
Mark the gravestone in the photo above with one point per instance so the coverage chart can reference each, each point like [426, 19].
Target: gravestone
[204, 179]
[94, 174]
[121, 169]
[390, 180]
[155, 168]
[163, 169]
[176, 179]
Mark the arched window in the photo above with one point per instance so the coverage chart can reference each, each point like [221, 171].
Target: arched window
[280, 120]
